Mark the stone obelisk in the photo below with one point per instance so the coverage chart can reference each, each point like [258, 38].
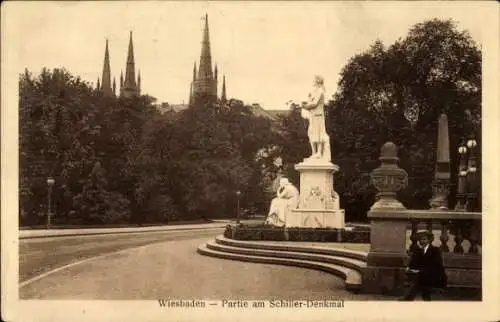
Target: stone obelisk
[442, 175]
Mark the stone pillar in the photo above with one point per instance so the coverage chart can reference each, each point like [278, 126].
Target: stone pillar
[442, 175]
[319, 205]
[387, 259]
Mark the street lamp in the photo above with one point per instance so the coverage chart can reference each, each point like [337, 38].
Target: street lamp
[462, 180]
[238, 195]
[471, 176]
[50, 184]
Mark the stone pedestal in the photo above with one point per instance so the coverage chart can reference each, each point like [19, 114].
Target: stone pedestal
[319, 204]
[387, 259]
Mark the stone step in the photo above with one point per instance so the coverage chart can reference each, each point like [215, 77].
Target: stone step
[351, 277]
[351, 263]
[346, 253]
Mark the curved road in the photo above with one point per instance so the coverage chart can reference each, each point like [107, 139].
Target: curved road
[39, 255]
[159, 265]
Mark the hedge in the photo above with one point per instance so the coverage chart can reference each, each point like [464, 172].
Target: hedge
[270, 233]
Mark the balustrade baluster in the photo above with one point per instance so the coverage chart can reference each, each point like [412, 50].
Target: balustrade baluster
[428, 226]
[413, 237]
[474, 239]
[459, 238]
[466, 233]
[444, 237]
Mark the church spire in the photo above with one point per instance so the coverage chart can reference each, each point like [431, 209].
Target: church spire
[130, 70]
[129, 87]
[98, 87]
[139, 81]
[194, 72]
[205, 82]
[205, 70]
[223, 95]
[114, 86]
[106, 74]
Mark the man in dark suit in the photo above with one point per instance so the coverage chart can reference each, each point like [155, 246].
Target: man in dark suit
[427, 265]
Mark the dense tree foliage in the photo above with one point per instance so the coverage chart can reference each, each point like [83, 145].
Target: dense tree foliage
[119, 160]
[397, 93]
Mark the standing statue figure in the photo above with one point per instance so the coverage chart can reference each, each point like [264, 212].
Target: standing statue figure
[287, 198]
[314, 111]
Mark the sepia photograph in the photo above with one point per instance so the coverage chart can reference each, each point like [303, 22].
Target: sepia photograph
[285, 158]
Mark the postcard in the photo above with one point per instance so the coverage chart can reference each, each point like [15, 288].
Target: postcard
[280, 161]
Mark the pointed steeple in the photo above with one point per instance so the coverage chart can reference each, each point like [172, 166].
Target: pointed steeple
[205, 81]
[192, 85]
[130, 70]
[223, 95]
[215, 72]
[205, 70]
[139, 81]
[98, 87]
[114, 86]
[106, 74]
[129, 87]
[121, 79]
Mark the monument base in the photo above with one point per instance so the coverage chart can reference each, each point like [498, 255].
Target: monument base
[319, 205]
[306, 218]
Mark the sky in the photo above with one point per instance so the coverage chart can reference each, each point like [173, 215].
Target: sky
[269, 51]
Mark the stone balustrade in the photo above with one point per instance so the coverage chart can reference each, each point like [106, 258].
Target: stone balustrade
[393, 239]
[458, 235]
[454, 232]
[393, 235]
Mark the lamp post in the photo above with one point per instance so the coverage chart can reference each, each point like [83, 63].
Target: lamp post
[50, 184]
[238, 195]
[462, 178]
[471, 203]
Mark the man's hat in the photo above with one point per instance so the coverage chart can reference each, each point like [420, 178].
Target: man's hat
[425, 232]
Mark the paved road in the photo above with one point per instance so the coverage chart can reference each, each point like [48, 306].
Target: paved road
[166, 266]
[37, 256]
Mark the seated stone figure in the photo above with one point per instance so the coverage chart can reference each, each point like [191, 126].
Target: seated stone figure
[287, 198]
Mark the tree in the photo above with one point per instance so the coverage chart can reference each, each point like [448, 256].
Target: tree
[55, 136]
[205, 154]
[294, 143]
[66, 126]
[397, 94]
[95, 204]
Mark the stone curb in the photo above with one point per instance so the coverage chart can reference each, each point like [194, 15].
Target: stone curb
[358, 255]
[346, 264]
[354, 264]
[352, 278]
[24, 234]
